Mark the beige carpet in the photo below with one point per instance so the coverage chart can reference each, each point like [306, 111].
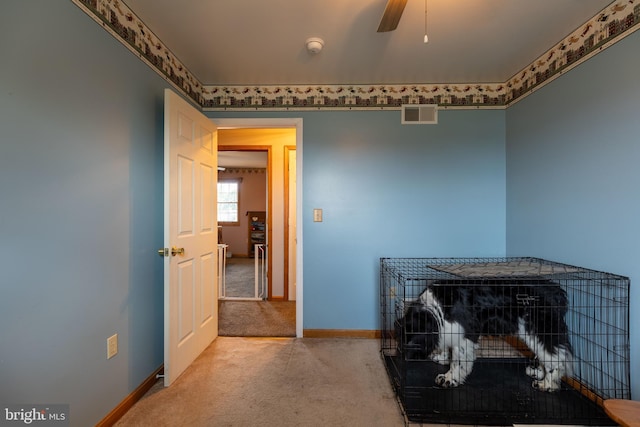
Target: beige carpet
[257, 318]
[276, 382]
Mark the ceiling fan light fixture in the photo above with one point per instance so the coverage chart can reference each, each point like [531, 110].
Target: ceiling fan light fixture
[314, 45]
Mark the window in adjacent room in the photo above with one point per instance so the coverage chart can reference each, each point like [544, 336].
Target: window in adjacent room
[228, 201]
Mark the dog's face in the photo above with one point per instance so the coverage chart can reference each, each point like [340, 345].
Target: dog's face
[419, 330]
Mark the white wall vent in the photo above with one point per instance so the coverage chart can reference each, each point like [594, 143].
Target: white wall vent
[419, 114]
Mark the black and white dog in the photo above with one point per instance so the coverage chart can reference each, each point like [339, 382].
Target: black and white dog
[448, 318]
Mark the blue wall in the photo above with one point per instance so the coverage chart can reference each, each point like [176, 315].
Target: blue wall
[390, 190]
[81, 200]
[573, 175]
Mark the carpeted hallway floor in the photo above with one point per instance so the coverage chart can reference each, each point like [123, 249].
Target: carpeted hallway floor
[252, 318]
[257, 318]
[240, 278]
[281, 382]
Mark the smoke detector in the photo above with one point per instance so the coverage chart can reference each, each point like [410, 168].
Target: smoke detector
[314, 45]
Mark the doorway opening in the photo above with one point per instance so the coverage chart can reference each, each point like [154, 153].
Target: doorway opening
[244, 179]
[283, 137]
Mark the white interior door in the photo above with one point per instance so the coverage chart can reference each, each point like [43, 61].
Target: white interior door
[190, 235]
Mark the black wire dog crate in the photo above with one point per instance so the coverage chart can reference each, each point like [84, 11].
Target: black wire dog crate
[497, 341]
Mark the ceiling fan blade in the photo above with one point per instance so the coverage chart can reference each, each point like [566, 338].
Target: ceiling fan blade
[391, 16]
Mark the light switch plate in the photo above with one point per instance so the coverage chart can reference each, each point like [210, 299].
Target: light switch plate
[317, 215]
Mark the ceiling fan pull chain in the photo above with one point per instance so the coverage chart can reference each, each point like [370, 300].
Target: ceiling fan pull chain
[426, 37]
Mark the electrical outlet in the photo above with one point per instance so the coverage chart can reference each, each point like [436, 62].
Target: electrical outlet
[112, 346]
[317, 215]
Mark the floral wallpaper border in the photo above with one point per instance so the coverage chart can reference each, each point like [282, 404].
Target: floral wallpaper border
[612, 24]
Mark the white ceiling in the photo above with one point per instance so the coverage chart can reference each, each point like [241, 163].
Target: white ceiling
[262, 42]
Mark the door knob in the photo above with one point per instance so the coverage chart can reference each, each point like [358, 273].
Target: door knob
[177, 251]
[163, 252]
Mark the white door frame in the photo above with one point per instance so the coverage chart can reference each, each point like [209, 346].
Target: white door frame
[282, 123]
